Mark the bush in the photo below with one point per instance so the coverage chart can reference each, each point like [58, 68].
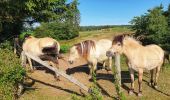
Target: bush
[6, 45]
[59, 31]
[11, 73]
[64, 48]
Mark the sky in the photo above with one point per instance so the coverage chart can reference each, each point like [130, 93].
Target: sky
[114, 12]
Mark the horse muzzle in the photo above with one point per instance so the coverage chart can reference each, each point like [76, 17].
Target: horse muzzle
[109, 54]
[71, 62]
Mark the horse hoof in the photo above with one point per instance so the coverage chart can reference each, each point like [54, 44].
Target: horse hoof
[150, 84]
[155, 86]
[89, 77]
[140, 94]
[130, 92]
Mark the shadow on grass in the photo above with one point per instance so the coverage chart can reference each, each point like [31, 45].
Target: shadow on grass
[156, 89]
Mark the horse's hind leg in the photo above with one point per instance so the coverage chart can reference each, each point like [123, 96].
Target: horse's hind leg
[30, 63]
[151, 83]
[156, 76]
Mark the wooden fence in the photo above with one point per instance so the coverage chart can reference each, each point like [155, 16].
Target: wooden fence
[57, 71]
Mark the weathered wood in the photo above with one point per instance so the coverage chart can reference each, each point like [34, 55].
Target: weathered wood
[15, 45]
[57, 71]
[23, 59]
[117, 75]
[117, 67]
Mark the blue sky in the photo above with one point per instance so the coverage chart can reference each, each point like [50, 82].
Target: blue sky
[114, 12]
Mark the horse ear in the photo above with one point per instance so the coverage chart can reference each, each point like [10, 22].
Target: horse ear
[26, 36]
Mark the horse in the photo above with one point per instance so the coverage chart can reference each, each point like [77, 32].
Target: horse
[139, 58]
[45, 48]
[92, 52]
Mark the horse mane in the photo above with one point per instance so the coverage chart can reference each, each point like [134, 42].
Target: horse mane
[84, 47]
[120, 38]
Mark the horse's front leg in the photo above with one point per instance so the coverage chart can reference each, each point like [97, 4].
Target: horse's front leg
[110, 63]
[140, 81]
[131, 91]
[104, 65]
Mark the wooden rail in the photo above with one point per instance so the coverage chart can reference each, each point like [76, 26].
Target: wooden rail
[57, 71]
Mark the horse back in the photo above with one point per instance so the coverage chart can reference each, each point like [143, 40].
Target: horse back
[102, 46]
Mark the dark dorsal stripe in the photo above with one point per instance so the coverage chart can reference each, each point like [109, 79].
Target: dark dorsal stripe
[84, 47]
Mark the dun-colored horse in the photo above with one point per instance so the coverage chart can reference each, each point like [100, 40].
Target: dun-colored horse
[139, 57]
[93, 52]
[45, 48]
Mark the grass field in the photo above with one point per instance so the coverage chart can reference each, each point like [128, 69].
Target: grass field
[96, 35]
[162, 93]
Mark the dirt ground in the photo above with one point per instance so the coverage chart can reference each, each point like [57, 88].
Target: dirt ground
[45, 87]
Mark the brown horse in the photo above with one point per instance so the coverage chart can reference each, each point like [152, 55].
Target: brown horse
[139, 57]
[45, 48]
[92, 51]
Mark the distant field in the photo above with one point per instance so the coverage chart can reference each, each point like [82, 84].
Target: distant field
[98, 34]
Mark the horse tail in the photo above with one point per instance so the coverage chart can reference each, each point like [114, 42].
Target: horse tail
[50, 49]
[166, 56]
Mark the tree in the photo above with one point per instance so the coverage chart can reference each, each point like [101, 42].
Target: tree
[152, 26]
[67, 27]
[14, 13]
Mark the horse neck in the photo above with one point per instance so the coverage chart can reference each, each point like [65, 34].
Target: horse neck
[130, 46]
[85, 47]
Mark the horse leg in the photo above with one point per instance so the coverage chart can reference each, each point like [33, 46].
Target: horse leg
[131, 91]
[91, 71]
[109, 68]
[104, 65]
[110, 63]
[56, 76]
[140, 81]
[151, 80]
[30, 63]
[156, 76]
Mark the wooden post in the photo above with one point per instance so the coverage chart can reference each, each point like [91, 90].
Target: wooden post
[23, 59]
[118, 75]
[57, 71]
[15, 45]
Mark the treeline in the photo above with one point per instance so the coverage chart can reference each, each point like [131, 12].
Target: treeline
[91, 28]
[153, 27]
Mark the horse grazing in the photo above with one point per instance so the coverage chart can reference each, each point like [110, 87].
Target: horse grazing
[139, 57]
[93, 52]
[45, 48]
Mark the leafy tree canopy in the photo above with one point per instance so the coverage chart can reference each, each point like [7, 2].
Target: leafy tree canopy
[15, 13]
[152, 27]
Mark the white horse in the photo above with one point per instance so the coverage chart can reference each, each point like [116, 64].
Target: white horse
[139, 57]
[93, 52]
[45, 48]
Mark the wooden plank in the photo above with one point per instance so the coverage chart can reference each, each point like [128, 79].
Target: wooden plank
[62, 73]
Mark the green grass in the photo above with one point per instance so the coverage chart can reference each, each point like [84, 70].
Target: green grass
[97, 34]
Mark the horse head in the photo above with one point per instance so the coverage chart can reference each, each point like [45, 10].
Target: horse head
[81, 50]
[73, 55]
[117, 46]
